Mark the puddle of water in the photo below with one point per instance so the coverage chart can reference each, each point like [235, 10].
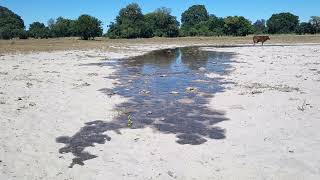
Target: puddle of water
[168, 91]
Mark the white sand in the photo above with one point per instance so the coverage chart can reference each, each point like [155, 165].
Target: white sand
[272, 131]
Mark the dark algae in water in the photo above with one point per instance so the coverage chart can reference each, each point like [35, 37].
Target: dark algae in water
[168, 90]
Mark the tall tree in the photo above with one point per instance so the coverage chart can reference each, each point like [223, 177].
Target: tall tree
[38, 30]
[11, 25]
[62, 27]
[215, 25]
[315, 22]
[162, 23]
[305, 28]
[282, 23]
[260, 26]
[237, 26]
[88, 27]
[129, 24]
[193, 16]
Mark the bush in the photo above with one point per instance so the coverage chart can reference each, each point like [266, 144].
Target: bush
[88, 27]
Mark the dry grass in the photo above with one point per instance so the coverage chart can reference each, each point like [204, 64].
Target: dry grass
[31, 45]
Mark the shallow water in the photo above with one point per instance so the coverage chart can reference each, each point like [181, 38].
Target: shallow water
[168, 90]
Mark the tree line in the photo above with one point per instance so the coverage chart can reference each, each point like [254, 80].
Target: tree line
[132, 23]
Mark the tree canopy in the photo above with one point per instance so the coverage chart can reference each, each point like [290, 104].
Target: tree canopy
[282, 23]
[38, 30]
[315, 23]
[11, 25]
[62, 27]
[194, 16]
[129, 23]
[87, 27]
[132, 23]
[162, 23]
[260, 26]
[305, 28]
[237, 26]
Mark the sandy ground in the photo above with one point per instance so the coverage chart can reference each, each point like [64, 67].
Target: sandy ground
[272, 105]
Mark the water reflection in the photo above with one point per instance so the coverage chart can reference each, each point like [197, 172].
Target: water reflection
[168, 92]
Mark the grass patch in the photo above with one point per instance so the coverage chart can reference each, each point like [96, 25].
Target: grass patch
[36, 45]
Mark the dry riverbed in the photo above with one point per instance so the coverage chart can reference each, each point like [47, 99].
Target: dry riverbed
[270, 101]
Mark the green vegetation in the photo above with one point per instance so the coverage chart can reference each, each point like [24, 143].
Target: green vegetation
[87, 27]
[162, 23]
[305, 28]
[283, 23]
[38, 30]
[194, 21]
[129, 123]
[61, 27]
[260, 27]
[315, 22]
[237, 26]
[132, 23]
[11, 25]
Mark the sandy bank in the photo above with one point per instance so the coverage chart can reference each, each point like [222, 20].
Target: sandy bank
[272, 105]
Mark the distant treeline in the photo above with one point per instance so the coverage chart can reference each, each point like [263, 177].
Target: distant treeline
[131, 23]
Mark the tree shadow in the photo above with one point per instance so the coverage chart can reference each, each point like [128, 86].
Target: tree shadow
[168, 91]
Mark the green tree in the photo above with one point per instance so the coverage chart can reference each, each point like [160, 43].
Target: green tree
[87, 27]
[113, 31]
[38, 30]
[260, 26]
[129, 24]
[315, 22]
[11, 25]
[305, 28]
[215, 25]
[237, 26]
[162, 23]
[282, 23]
[192, 17]
[61, 27]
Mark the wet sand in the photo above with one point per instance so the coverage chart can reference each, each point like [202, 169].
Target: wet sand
[270, 131]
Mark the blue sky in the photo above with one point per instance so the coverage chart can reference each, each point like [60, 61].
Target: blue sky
[107, 10]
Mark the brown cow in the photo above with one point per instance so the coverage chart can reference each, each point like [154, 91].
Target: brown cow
[262, 39]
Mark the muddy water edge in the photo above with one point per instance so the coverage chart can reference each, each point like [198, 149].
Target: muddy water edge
[168, 90]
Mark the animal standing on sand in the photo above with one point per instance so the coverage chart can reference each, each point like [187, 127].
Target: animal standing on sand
[262, 39]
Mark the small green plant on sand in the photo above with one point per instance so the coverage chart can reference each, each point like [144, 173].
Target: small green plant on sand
[129, 121]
